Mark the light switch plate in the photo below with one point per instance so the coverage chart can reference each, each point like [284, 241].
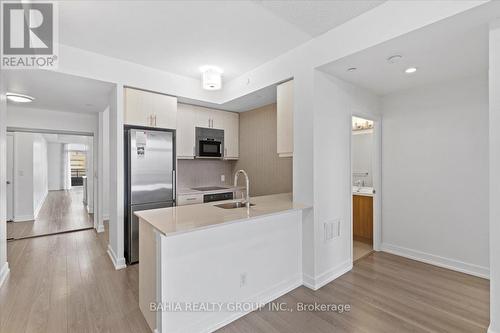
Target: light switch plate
[331, 230]
[222, 178]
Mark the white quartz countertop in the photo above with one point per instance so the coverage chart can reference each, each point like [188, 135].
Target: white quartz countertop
[181, 219]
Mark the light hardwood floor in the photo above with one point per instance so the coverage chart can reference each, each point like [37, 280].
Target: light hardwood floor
[387, 293]
[360, 250]
[66, 283]
[62, 211]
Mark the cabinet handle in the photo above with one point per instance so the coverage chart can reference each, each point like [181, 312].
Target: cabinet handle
[190, 199]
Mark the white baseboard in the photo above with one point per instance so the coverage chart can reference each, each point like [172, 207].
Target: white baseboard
[24, 218]
[455, 265]
[319, 281]
[4, 271]
[490, 330]
[264, 297]
[119, 263]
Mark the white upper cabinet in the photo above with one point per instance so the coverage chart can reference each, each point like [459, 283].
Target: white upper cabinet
[189, 117]
[185, 138]
[284, 103]
[231, 135]
[143, 108]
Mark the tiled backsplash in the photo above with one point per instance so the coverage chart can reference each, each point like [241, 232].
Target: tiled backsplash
[193, 173]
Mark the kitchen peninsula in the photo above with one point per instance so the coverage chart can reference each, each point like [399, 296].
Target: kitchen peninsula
[202, 254]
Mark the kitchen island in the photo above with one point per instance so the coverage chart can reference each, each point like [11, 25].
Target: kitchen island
[202, 266]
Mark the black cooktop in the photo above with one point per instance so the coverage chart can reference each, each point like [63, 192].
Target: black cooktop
[209, 188]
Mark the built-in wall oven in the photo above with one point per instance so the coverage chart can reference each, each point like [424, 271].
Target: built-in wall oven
[209, 142]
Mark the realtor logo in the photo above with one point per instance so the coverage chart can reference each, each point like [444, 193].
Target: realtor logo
[29, 32]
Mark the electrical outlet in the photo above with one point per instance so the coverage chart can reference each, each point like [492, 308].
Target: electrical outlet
[222, 178]
[243, 279]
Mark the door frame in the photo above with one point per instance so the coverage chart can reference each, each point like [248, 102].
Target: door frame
[9, 134]
[98, 203]
[377, 178]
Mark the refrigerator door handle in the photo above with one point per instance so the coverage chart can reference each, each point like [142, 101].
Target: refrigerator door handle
[173, 185]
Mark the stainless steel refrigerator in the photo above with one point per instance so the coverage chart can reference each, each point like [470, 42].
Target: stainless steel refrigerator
[149, 179]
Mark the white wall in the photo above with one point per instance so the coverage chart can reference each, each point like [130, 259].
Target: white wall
[55, 157]
[116, 184]
[362, 151]
[435, 174]
[334, 104]
[23, 177]
[494, 180]
[267, 250]
[4, 265]
[30, 175]
[26, 117]
[40, 172]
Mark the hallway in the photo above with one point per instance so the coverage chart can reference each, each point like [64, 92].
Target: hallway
[66, 283]
[62, 211]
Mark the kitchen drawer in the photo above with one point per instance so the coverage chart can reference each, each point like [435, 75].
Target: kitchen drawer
[189, 199]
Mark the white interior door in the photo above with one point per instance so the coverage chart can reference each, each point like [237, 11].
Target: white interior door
[10, 177]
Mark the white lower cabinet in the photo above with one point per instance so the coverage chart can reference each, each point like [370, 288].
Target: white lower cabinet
[189, 199]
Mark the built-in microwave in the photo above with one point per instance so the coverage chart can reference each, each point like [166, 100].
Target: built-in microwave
[209, 142]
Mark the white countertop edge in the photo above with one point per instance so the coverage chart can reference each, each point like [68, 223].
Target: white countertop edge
[363, 194]
[211, 226]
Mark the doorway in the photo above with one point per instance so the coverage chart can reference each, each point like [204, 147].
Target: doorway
[363, 157]
[48, 191]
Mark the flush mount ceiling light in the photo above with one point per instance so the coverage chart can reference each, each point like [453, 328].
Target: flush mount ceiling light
[410, 70]
[351, 69]
[394, 59]
[19, 98]
[211, 77]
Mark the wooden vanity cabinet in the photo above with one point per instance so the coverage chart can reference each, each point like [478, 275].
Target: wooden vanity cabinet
[362, 214]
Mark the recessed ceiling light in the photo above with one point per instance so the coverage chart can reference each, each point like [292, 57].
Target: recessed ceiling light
[351, 69]
[410, 70]
[19, 98]
[394, 59]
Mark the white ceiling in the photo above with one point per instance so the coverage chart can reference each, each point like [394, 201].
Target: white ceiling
[453, 48]
[317, 17]
[181, 36]
[57, 91]
[254, 100]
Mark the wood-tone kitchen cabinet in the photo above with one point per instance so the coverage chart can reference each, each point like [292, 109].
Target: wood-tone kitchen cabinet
[144, 108]
[362, 214]
[284, 105]
[185, 138]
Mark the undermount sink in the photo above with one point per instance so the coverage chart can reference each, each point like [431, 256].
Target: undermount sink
[231, 205]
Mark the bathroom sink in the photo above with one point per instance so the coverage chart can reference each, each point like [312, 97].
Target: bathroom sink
[231, 205]
[362, 190]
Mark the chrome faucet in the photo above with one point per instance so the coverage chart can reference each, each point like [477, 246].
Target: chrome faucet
[247, 200]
